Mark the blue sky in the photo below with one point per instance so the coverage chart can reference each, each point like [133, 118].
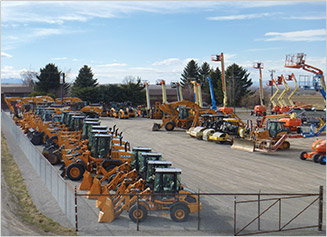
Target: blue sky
[155, 39]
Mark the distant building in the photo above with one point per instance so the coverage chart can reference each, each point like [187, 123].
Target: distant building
[14, 90]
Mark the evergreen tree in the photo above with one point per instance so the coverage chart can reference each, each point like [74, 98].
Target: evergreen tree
[48, 80]
[84, 81]
[237, 83]
[85, 78]
[204, 72]
[191, 72]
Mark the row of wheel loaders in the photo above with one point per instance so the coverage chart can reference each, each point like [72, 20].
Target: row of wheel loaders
[87, 149]
[146, 184]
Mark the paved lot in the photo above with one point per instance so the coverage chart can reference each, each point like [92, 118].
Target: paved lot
[210, 167]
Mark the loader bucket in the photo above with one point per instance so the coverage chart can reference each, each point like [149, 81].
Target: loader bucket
[102, 199]
[156, 127]
[86, 182]
[95, 189]
[107, 214]
[242, 144]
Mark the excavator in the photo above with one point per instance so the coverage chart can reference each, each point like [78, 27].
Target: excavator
[260, 110]
[182, 114]
[167, 195]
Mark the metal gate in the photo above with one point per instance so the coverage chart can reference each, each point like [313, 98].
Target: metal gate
[278, 202]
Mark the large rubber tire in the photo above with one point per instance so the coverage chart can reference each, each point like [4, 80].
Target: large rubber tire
[139, 213]
[75, 171]
[169, 126]
[285, 146]
[322, 160]
[302, 155]
[179, 213]
[315, 158]
[53, 159]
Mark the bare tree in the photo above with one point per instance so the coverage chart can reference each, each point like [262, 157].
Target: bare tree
[29, 77]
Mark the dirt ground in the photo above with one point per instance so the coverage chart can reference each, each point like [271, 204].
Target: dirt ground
[11, 225]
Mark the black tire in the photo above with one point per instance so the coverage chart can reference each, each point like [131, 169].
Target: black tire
[75, 171]
[169, 126]
[302, 155]
[179, 213]
[322, 160]
[139, 213]
[110, 167]
[315, 158]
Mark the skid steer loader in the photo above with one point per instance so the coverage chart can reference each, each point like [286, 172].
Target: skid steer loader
[167, 195]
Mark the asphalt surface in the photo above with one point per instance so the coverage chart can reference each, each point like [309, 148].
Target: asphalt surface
[206, 167]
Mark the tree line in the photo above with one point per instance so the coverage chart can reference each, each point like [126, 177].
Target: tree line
[236, 77]
[87, 88]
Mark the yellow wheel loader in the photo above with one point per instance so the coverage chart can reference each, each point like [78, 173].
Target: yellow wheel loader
[168, 195]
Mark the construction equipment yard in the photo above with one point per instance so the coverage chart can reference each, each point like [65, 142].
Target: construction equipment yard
[214, 168]
[208, 167]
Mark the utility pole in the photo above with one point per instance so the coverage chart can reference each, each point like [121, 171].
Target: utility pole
[272, 89]
[62, 82]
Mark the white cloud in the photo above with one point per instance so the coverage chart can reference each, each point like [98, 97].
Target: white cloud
[63, 58]
[6, 55]
[10, 72]
[306, 17]
[305, 35]
[47, 11]
[167, 61]
[112, 65]
[239, 17]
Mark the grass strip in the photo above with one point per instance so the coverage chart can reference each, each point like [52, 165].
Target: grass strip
[25, 206]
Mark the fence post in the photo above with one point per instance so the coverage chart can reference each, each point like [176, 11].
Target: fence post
[321, 198]
[259, 210]
[198, 209]
[234, 215]
[76, 222]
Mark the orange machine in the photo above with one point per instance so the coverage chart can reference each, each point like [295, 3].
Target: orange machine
[318, 154]
[260, 110]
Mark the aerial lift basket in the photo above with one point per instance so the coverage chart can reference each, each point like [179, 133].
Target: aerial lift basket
[243, 144]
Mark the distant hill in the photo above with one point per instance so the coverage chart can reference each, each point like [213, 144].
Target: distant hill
[11, 80]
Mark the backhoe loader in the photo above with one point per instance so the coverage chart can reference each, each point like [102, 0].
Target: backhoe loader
[182, 114]
[168, 194]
